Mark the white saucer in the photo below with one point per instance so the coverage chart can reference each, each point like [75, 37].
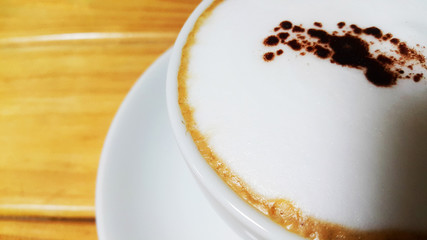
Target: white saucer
[144, 189]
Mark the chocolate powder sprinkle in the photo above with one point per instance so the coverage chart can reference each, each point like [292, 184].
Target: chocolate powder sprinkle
[403, 49]
[322, 52]
[298, 29]
[395, 41]
[384, 59]
[322, 35]
[286, 25]
[268, 56]
[294, 44]
[356, 29]
[418, 77]
[387, 36]
[373, 31]
[348, 48]
[317, 24]
[341, 24]
[283, 35]
[271, 41]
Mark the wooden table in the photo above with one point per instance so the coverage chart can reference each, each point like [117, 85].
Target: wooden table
[65, 67]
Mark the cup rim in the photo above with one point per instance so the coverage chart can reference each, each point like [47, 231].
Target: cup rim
[258, 224]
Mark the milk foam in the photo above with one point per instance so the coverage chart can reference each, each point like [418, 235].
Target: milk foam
[299, 128]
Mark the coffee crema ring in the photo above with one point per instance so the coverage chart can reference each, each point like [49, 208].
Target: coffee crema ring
[385, 61]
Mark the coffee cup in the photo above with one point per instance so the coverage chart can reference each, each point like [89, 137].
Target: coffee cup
[244, 219]
[304, 38]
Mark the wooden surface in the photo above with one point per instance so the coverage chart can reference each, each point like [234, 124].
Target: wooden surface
[65, 67]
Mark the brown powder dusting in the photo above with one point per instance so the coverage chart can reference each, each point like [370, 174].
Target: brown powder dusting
[317, 24]
[322, 35]
[379, 75]
[403, 49]
[271, 41]
[418, 56]
[283, 35]
[322, 52]
[298, 29]
[395, 41]
[384, 59]
[279, 52]
[268, 56]
[286, 25]
[348, 48]
[374, 31]
[387, 36]
[418, 77]
[294, 44]
[356, 29]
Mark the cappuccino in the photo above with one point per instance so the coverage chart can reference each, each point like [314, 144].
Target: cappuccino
[314, 112]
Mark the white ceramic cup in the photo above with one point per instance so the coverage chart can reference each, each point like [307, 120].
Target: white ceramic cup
[243, 218]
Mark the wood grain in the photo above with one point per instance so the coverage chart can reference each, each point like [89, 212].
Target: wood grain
[46, 230]
[43, 17]
[65, 67]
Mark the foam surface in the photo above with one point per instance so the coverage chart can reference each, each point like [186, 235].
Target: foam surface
[303, 129]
